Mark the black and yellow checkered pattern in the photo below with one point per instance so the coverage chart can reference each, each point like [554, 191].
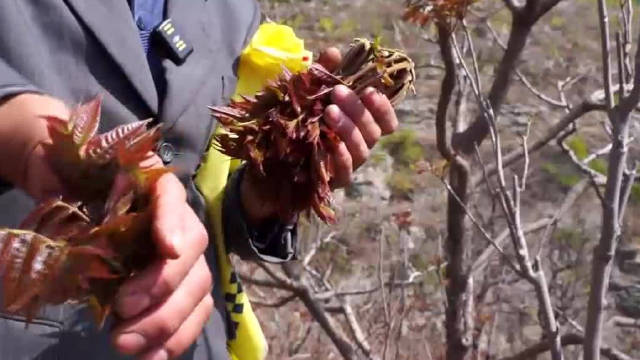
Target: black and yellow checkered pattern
[245, 338]
[234, 304]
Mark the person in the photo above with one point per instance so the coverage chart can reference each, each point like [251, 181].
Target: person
[57, 53]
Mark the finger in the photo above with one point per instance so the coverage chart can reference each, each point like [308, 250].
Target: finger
[186, 335]
[158, 281]
[152, 161]
[39, 169]
[152, 329]
[351, 105]
[349, 133]
[167, 195]
[330, 58]
[342, 165]
[381, 110]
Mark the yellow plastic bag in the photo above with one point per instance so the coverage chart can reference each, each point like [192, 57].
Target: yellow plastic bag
[271, 47]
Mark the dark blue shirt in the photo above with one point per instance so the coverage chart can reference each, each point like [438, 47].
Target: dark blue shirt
[148, 14]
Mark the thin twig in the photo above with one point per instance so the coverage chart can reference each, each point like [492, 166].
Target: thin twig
[385, 304]
[474, 86]
[355, 328]
[264, 283]
[629, 179]
[275, 304]
[525, 151]
[595, 176]
[316, 245]
[606, 58]
[621, 71]
[567, 203]
[484, 233]
[483, 259]
[474, 57]
[550, 134]
[539, 94]
[360, 292]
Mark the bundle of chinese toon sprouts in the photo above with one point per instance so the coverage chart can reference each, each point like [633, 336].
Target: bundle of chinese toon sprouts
[281, 132]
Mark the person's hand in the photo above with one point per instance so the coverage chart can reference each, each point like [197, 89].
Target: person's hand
[164, 308]
[22, 133]
[359, 121]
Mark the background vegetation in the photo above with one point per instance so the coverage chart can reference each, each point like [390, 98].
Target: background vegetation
[379, 284]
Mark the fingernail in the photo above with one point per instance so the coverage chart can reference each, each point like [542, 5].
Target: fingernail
[158, 355]
[368, 92]
[333, 116]
[130, 343]
[340, 91]
[132, 305]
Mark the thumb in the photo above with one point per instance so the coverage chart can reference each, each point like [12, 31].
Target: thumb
[168, 202]
[330, 58]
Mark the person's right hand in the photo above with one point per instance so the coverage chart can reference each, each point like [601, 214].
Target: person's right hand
[165, 306]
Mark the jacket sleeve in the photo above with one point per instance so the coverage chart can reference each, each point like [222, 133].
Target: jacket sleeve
[13, 83]
[273, 242]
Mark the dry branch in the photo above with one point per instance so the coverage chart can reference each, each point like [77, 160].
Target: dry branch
[551, 133]
[619, 116]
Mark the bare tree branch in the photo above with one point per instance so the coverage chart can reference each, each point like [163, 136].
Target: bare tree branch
[356, 331]
[446, 91]
[523, 21]
[610, 229]
[316, 245]
[275, 304]
[512, 5]
[530, 270]
[456, 246]
[624, 322]
[264, 283]
[596, 178]
[550, 134]
[571, 197]
[385, 304]
[358, 292]
[494, 245]
[630, 102]
[474, 57]
[629, 179]
[484, 258]
[466, 141]
[341, 342]
[562, 103]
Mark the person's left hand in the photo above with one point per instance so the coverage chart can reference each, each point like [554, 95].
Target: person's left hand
[359, 121]
[164, 307]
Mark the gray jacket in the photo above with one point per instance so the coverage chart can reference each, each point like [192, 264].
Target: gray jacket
[75, 49]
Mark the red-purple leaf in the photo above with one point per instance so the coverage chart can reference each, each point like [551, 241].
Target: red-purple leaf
[85, 119]
[103, 148]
